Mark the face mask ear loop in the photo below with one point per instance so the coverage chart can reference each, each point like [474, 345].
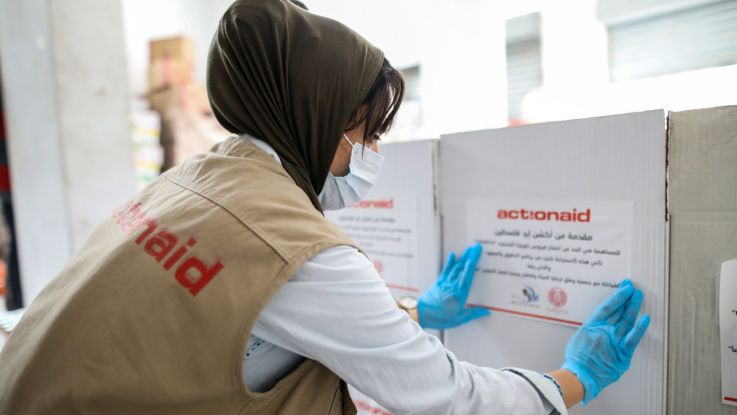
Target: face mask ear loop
[349, 141]
[363, 148]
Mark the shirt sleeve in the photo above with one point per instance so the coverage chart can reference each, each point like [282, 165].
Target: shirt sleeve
[337, 310]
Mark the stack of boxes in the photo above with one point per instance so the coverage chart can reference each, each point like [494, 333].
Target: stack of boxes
[148, 154]
[187, 124]
[171, 76]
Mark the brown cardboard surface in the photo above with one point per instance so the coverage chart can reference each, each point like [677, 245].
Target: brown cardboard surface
[171, 62]
[163, 73]
[177, 48]
[703, 210]
[189, 97]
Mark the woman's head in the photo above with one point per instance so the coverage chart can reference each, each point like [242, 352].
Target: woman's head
[377, 111]
[298, 81]
[373, 117]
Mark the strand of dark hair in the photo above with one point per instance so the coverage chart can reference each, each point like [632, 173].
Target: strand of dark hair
[379, 109]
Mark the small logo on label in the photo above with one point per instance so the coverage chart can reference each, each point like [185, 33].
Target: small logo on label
[527, 297]
[557, 296]
[530, 294]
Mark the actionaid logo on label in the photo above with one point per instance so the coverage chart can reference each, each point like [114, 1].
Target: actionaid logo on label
[165, 248]
[545, 215]
[376, 204]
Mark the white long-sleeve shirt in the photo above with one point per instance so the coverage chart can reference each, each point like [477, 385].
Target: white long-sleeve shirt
[338, 311]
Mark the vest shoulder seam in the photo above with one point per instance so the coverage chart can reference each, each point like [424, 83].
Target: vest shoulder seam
[220, 202]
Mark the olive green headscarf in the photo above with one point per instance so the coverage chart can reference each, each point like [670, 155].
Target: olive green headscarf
[290, 78]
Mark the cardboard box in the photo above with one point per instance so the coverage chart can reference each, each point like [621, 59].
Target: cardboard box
[676, 247]
[184, 134]
[398, 226]
[165, 73]
[398, 222]
[600, 161]
[188, 97]
[148, 155]
[171, 62]
[702, 204]
[177, 48]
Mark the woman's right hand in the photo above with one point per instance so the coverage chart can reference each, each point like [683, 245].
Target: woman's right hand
[601, 350]
[443, 306]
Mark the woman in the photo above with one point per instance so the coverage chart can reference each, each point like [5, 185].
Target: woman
[221, 288]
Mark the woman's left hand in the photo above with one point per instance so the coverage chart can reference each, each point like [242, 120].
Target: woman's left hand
[601, 350]
[444, 305]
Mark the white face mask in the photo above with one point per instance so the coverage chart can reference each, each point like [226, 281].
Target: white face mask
[345, 191]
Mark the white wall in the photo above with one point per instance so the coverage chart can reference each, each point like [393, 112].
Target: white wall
[702, 88]
[29, 94]
[68, 125]
[576, 73]
[460, 50]
[574, 45]
[393, 26]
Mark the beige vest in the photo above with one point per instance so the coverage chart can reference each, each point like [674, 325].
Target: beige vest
[153, 313]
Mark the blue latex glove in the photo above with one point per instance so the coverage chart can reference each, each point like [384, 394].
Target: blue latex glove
[444, 305]
[601, 350]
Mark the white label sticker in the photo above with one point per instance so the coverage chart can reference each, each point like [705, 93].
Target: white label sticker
[548, 259]
[728, 330]
[385, 227]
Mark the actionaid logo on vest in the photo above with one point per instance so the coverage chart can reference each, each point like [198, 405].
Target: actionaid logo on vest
[164, 247]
